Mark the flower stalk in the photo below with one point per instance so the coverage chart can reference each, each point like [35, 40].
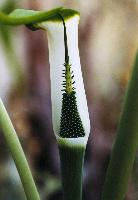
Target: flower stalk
[71, 159]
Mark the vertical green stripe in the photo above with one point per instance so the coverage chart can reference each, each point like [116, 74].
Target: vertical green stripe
[126, 144]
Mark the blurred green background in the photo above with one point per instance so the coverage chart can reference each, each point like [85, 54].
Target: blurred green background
[108, 39]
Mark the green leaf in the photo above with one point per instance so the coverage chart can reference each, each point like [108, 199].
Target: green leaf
[22, 16]
[22, 13]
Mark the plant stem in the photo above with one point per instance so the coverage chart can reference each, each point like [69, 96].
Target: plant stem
[18, 155]
[126, 144]
[71, 158]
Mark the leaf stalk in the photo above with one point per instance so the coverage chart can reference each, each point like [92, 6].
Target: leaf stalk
[126, 144]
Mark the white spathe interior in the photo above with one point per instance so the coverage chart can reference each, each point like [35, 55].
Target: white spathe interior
[55, 32]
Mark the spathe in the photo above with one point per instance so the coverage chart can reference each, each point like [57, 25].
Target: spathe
[55, 30]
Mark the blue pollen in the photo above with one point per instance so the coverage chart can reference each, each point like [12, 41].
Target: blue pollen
[70, 124]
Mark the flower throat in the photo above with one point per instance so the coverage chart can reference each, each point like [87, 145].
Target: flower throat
[70, 124]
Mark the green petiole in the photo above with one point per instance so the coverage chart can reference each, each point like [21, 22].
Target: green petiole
[18, 155]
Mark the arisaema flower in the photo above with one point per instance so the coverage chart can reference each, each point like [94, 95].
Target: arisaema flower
[69, 106]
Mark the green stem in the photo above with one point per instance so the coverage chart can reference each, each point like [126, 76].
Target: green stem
[126, 144]
[71, 158]
[18, 155]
